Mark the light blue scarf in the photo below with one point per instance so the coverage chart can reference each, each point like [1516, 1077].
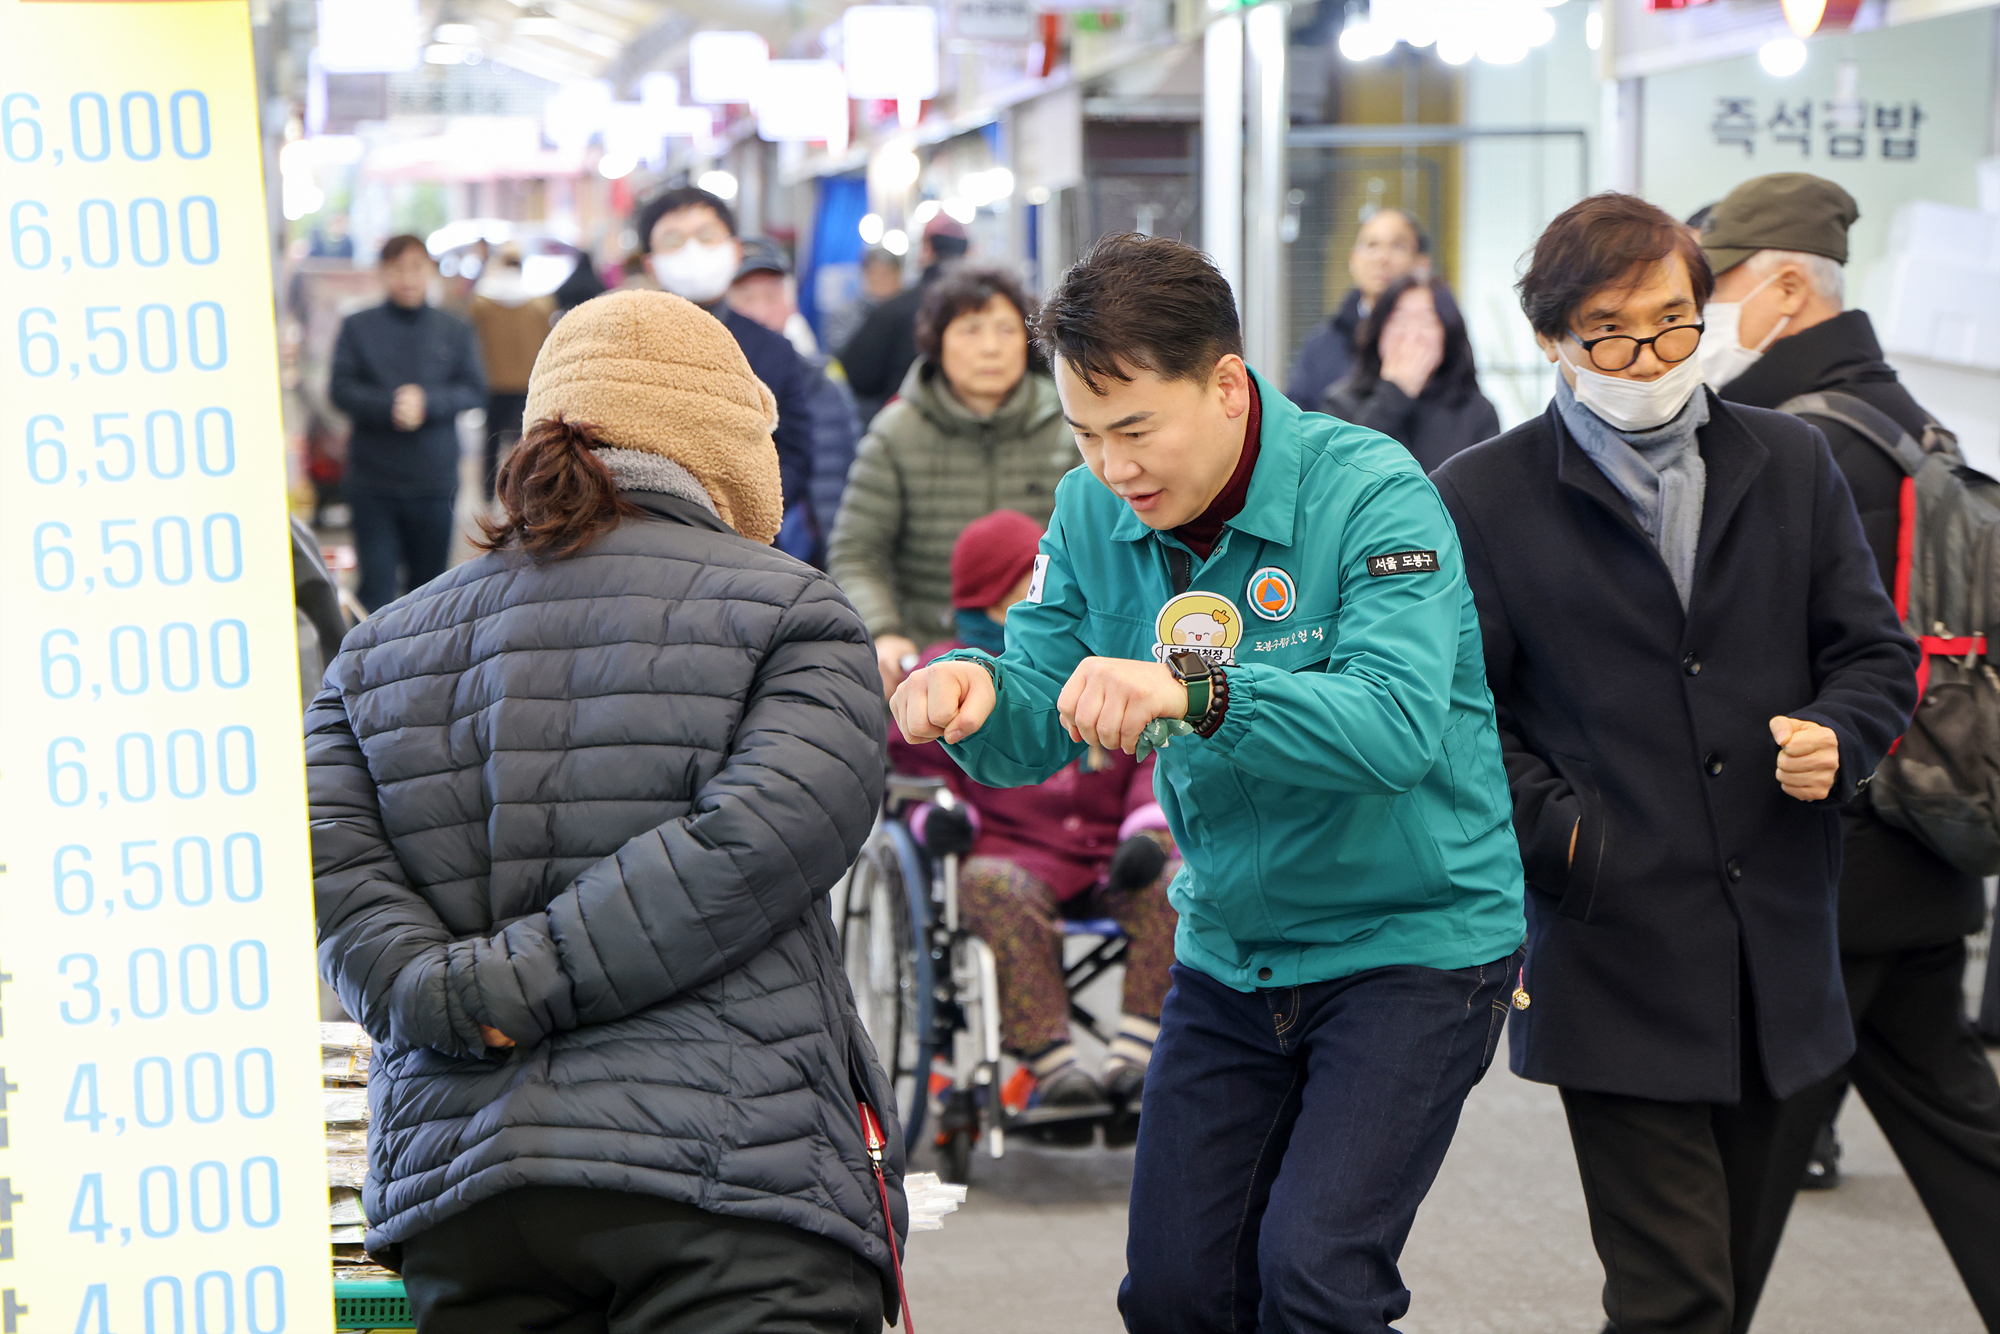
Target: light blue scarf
[1659, 472]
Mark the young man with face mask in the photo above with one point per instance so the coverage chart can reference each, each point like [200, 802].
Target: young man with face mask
[1777, 244]
[693, 252]
[1693, 664]
[1277, 600]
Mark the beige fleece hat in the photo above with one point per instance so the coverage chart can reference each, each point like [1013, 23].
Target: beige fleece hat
[654, 372]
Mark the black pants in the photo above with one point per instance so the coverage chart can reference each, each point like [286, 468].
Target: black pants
[1688, 1200]
[1924, 1074]
[566, 1260]
[402, 542]
[503, 418]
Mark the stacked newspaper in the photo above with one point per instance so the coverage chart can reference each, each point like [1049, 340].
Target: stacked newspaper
[345, 1051]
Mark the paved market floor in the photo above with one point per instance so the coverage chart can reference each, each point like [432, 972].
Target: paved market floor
[1501, 1246]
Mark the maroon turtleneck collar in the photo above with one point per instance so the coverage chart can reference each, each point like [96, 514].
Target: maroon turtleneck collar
[1204, 531]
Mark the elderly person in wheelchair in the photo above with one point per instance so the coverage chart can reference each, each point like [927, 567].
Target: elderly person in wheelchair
[1090, 842]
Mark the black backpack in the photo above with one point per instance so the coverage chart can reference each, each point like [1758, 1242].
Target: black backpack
[1941, 781]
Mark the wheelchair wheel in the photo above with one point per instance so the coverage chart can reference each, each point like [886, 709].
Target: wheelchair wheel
[889, 969]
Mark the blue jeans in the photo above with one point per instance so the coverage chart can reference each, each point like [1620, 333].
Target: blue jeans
[411, 532]
[1288, 1137]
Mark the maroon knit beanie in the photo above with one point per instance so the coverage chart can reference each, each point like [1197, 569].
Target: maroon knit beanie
[990, 557]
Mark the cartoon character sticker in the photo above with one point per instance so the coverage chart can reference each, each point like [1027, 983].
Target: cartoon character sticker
[1200, 623]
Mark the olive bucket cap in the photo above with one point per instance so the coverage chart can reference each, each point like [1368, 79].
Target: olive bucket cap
[1788, 210]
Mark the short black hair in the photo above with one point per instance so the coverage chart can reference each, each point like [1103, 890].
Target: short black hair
[1600, 242]
[964, 288]
[673, 201]
[394, 248]
[877, 255]
[1423, 237]
[1149, 302]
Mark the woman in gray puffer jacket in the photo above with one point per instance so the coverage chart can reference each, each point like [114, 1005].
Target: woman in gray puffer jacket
[576, 807]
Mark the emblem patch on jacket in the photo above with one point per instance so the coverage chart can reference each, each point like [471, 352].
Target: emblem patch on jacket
[1273, 595]
[1403, 562]
[1037, 580]
[1199, 623]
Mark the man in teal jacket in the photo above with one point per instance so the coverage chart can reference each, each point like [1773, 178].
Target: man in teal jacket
[1276, 598]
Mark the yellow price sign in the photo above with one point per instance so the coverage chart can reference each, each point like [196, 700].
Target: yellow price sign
[161, 1144]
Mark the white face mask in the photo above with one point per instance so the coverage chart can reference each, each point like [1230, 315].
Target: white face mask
[701, 273]
[1722, 354]
[1636, 405]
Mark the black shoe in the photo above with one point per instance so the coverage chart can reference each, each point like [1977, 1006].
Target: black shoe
[1823, 1168]
[1124, 1085]
[1065, 1108]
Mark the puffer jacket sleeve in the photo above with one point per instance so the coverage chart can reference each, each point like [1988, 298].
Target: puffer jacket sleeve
[767, 837]
[861, 554]
[381, 945]
[674, 908]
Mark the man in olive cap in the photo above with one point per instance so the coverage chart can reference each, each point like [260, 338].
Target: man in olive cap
[1776, 330]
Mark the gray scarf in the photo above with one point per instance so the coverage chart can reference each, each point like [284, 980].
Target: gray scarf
[1659, 472]
[643, 470]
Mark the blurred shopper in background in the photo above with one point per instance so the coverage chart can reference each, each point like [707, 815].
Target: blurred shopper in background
[583, 283]
[616, 1068]
[1694, 664]
[693, 252]
[764, 290]
[402, 372]
[1413, 378]
[882, 350]
[977, 427]
[511, 323]
[881, 279]
[1390, 245]
[1776, 330]
[1090, 842]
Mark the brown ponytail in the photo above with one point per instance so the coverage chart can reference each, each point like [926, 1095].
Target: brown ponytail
[557, 494]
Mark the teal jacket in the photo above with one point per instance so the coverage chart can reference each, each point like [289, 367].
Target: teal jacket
[1351, 812]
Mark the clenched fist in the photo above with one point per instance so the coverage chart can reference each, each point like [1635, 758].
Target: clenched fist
[1109, 701]
[1808, 757]
[951, 700]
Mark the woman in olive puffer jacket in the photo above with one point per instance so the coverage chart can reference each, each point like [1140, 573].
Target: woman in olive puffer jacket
[975, 428]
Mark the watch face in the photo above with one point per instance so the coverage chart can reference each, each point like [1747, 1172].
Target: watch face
[1190, 666]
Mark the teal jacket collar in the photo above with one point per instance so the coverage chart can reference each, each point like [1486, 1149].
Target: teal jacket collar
[1271, 508]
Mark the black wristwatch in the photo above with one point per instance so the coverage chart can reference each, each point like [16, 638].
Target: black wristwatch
[1198, 675]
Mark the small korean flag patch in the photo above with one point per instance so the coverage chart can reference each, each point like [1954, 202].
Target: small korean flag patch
[1403, 562]
[1041, 576]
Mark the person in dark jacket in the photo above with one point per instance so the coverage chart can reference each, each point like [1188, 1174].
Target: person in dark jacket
[695, 253]
[1694, 665]
[765, 291]
[576, 809]
[402, 372]
[885, 346]
[1414, 379]
[1778, 244]
[1390, 245]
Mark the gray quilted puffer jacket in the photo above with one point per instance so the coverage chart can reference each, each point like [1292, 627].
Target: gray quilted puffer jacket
[597, 804]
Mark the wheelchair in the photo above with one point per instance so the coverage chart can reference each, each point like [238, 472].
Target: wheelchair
[928, 994]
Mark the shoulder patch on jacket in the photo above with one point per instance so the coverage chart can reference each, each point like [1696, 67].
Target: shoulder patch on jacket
[1403, 562]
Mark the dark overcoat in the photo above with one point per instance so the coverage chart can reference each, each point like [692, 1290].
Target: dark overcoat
[597, 803]
[1645, 729]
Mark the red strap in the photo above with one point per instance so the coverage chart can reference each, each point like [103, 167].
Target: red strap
[871, 1130]
[1906, 541]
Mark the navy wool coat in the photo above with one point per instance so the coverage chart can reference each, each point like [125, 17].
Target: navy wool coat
[597, 804]
[1649, 725]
